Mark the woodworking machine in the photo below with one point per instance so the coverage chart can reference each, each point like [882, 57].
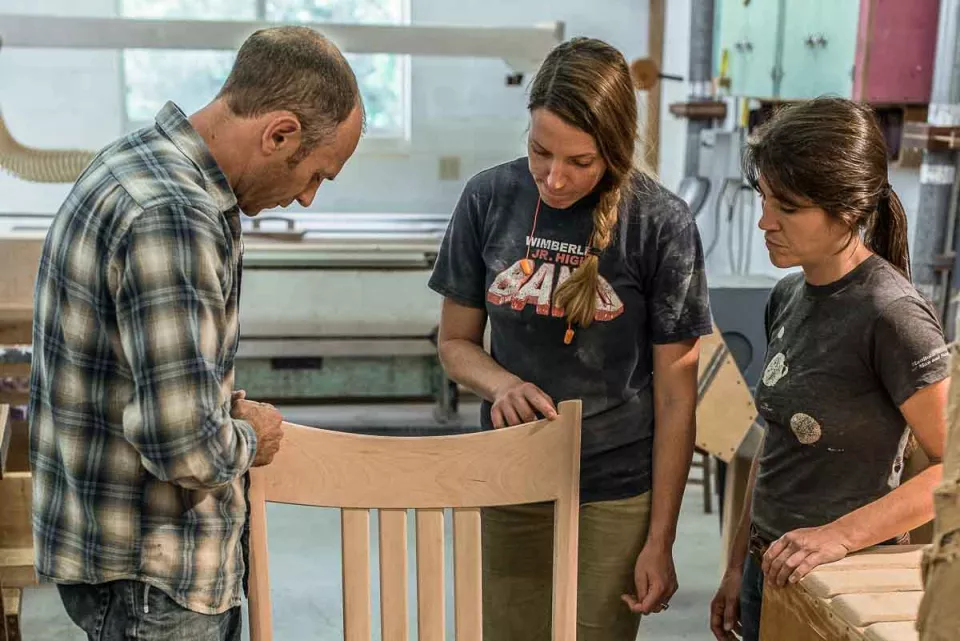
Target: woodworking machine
[334, 308]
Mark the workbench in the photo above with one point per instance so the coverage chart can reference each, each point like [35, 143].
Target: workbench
[873, 595]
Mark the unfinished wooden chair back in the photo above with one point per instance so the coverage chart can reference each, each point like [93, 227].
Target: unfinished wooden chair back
[530, 463]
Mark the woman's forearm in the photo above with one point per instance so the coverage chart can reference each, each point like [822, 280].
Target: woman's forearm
[904, 509]
[673, 444]
[468, 364]
[675, 368]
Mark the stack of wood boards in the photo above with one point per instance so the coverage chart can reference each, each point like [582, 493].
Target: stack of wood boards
[873, 595]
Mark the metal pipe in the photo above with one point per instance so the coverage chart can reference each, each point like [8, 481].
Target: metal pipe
[701, 77]
[939, 171]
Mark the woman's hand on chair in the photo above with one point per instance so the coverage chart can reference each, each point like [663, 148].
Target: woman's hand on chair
[655, 579]
[519, 402]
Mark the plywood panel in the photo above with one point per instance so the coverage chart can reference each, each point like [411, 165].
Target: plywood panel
[725, 406]
[19, 262]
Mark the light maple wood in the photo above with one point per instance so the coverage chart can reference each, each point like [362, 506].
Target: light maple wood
[830, 584]
[393, 575]
[468, 576]
[4, 437]
[19, 263]
[431, 597]
[868, 606]
[895, 631]
[883, 557]
[10, 614]
[530, 463]
[726, 409]
[355, 525]
[655, 32]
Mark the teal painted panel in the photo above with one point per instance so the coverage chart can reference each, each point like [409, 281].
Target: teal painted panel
[820, 40]
[359, 378]
[749, 33]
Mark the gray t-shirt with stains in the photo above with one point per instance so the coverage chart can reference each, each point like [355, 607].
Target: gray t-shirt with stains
[652, 290]
[841, 359]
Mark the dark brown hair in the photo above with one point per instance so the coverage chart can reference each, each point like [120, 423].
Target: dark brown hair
[586, 83]
[294, 69]
[831, 152]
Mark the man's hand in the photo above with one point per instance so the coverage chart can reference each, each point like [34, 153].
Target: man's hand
[656, 581]
[265, 420]
[793, 555]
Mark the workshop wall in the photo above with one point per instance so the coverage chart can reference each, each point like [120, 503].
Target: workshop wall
[461, 108]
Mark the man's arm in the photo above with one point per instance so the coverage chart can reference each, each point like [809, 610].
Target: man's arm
[171, 316]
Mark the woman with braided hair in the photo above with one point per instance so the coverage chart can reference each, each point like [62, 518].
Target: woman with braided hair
[591, 277]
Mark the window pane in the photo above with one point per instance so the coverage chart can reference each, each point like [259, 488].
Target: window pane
[192, 78]
[196, 9]
[380, 76]
[348, 11]
[189, 78]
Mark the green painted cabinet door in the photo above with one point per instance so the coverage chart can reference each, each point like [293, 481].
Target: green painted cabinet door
[748, 32]
[819, 48]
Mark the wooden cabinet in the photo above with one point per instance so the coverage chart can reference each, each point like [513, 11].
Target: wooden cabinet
[872, 50]
[896, 46]
[748, 32]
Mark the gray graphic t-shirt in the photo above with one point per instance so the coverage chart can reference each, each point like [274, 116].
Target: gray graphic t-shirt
[841, 359]
[652, 290]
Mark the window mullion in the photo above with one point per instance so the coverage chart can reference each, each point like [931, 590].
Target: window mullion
[261, 9]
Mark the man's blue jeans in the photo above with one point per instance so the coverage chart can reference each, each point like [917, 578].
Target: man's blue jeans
[124, 610]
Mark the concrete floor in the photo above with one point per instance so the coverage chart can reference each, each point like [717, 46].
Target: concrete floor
[305, 563]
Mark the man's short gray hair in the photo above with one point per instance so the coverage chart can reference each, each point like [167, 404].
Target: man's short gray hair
[294, 69]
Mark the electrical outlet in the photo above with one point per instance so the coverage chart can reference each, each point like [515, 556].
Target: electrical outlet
[449, 168]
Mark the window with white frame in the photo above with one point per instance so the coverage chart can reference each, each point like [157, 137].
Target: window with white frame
[192, 78]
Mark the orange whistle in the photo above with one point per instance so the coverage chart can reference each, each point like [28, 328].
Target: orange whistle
[527, 266]
[568, 336]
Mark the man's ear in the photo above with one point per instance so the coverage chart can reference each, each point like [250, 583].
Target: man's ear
[282, 134]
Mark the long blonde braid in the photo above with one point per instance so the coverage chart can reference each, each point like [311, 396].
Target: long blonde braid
[577, 295]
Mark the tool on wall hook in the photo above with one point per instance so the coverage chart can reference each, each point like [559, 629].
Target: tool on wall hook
[646, 74]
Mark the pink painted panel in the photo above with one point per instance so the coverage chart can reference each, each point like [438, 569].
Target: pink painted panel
[897, 41]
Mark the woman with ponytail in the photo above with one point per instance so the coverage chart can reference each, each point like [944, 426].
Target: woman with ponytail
[854, 356]
[590, 275]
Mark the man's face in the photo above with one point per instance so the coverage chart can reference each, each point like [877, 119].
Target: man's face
[279, 180]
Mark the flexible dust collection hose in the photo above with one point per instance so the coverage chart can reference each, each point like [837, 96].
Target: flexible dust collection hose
[40, 165]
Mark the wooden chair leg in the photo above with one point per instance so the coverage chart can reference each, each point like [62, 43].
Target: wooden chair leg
[3, 619]
[707, 484]
[12, 598]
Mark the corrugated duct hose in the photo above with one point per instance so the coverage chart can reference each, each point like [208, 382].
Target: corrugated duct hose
[40, 165]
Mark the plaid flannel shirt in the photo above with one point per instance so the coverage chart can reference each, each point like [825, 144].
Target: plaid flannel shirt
[139, 472]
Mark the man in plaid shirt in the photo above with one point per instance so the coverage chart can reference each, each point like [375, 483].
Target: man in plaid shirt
[139, 446]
